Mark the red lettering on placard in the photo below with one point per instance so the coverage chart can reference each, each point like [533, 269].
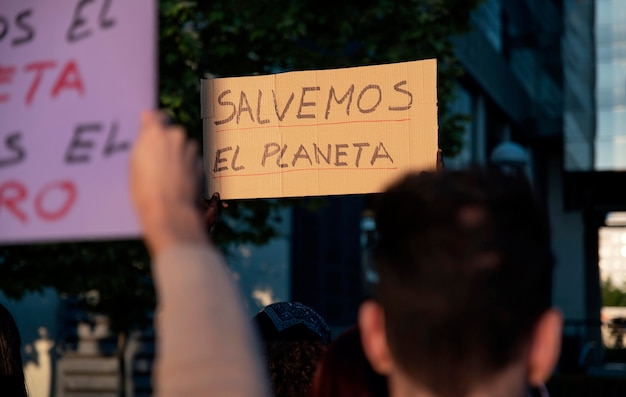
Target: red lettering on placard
[57, 213]
[14, 197]
[11, 193]
[69, 80]
[6, 76]
[38, 67]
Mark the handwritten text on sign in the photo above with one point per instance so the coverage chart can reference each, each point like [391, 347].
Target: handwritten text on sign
[324, 132]
[74, 76]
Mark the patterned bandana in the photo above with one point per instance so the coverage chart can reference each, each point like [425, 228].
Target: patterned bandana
[289, 317]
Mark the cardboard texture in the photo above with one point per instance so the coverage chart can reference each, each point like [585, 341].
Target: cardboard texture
[324, 132]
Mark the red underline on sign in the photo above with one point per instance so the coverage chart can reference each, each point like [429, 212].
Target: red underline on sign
[308, 169]
[312, 125]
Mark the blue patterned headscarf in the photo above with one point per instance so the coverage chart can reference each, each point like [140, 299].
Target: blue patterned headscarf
[291, 321]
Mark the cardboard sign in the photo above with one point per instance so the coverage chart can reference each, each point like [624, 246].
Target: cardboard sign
[324, 132]
[74, 76]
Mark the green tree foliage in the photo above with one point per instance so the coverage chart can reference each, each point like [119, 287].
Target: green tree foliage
[238, 38]
[613, 295]
[111, 277]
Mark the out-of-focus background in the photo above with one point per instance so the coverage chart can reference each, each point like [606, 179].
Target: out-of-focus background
[534, 84]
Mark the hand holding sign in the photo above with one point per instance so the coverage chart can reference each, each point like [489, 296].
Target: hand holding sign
[163, 184]
[211, 209]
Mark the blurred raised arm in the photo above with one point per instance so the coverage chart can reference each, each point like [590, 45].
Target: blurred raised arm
[205, 344]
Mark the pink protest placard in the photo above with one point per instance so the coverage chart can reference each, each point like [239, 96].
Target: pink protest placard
[74, 76]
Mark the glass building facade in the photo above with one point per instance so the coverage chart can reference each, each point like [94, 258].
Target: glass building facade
[578, 85]
[610, 90]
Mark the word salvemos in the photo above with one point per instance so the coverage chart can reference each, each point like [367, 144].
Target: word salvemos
[306, 104]
[368, 100]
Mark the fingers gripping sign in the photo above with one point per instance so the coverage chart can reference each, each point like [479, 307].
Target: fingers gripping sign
[211, 209]
[166, 161]
[163, 183]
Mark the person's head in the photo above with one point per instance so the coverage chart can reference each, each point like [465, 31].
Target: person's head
[11, 370]
[294, 336]
[464, 297]
[343, 370]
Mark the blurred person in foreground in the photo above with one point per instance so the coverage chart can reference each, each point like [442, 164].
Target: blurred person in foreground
[12, 383]
[344, 369]
[293, 336]
[463, 306]
[206, 345]
[464, 295]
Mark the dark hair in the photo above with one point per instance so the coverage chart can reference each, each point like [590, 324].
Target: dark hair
[344, 370]
[294, 337]
[11, 370]
[465, 271]
[291, 366]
